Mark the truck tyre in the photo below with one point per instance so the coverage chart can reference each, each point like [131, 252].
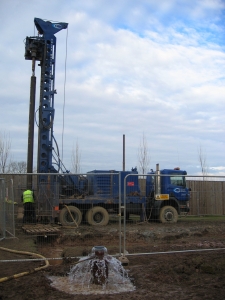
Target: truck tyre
[65, 217]
[97, 216]
[168, 214]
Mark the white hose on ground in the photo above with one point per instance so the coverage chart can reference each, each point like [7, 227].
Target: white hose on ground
[71, 215]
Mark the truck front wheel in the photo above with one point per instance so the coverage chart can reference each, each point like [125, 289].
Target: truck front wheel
[168, 214]
[97, 216]
[70, 215]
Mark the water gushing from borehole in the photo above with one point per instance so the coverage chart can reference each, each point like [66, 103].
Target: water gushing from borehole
[98, 273]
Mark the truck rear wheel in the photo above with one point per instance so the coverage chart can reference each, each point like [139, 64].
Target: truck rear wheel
[66, 219]
[168, 214]
[97, 216]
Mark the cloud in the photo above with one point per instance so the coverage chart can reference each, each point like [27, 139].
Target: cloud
[220, 168]
[132, 67]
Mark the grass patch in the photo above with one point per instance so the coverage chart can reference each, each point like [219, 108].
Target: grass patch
[201, 218]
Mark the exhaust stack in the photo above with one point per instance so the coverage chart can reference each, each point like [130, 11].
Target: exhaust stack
[157, 181]
[158, 195]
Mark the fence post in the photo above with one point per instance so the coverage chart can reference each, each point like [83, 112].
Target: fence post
[2, 207]
[13, 209]
[124, 215]
[120, 233]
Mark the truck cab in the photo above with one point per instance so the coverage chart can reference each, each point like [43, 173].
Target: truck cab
[174, 184]
[170, 183]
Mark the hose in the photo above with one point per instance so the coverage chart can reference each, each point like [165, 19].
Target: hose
[71, 215]
[80, 261]
[27, 272]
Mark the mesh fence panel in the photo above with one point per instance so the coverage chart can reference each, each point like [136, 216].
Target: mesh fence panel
[154, 233]
[8, 207]
[2, 209]
[99, 208]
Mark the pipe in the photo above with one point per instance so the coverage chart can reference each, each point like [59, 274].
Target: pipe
[116, 255]
[45, 258]
[27, 272]
[30, 147]
[174, 252]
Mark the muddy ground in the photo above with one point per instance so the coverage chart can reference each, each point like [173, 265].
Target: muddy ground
[180, 275]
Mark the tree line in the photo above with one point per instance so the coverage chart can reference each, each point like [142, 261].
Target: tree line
[8, 165]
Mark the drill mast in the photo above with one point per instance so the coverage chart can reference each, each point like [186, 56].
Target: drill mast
[43, 48]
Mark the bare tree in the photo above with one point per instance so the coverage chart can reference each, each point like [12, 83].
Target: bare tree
[5, 147]
[143, 156]
[76, 159]
[17, 167]
[202, 161]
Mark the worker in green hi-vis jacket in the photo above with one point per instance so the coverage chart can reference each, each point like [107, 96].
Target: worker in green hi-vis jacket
[29, 215]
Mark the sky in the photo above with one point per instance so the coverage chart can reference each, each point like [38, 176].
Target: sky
[135, 68]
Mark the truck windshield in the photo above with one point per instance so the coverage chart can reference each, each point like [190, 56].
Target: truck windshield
[178, 180]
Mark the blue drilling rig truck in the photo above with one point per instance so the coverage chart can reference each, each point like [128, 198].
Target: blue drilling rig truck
[72, 198]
